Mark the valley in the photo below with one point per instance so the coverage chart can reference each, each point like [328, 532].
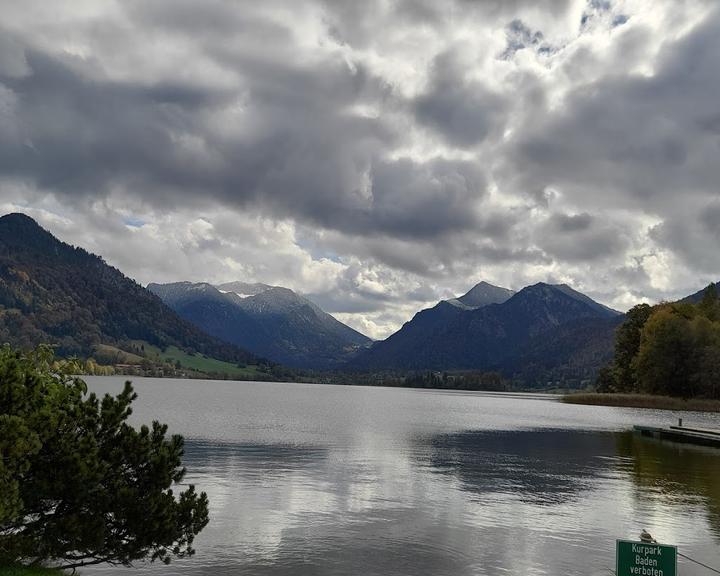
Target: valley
[540, 337]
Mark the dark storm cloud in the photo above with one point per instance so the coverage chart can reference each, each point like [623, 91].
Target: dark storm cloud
[463, 111]
[640, 142]
[80, 135]
[12, 57]
[499, 254]
[497, 237]
[710, 219]
[633, 274]
[580, 238]
[395, 148]
[693, 233]
[633, 140]
[296, 148]
[432, 11]
[571, 223]
[425, 199]
[283, 138]
[212, 19]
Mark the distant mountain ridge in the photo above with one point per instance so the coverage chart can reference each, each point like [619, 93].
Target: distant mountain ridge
[398, 350]
[696, 297]
[244, 289]
[51, 292]
[272, 321]
[501, 335]
[481, 295]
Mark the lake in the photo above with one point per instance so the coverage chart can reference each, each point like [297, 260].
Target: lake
[308, 479]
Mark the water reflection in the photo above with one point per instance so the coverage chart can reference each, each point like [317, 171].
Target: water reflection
[251, 460]
[333, 481]
[683, 476]
[282, 509]
[540, 467]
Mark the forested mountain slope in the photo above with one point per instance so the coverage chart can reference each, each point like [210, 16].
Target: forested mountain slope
[51, 292]
[535, 335]
[271, 321]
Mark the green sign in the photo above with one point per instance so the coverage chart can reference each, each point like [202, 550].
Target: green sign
[645, 559]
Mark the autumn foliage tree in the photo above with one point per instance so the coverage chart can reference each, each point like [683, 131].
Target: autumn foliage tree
[669, 349]
[663, 362]
[78, 484]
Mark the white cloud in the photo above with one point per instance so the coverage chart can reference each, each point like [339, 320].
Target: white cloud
[376, 156]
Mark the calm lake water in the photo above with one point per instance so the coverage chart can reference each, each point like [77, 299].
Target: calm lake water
[319, 480]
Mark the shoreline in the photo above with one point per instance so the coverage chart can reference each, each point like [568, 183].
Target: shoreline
[647, 401]
[20, 570]
[541, 394]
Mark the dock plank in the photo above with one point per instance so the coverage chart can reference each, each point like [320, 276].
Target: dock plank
[681, 434]
[701, 430]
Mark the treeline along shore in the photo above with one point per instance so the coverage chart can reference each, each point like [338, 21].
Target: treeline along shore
[666, 357]
[643, 401]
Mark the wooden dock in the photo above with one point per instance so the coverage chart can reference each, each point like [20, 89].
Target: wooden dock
[686, 434]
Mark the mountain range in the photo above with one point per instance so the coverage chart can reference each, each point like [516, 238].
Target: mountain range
[534, 334]
[54, 293]
[51, 292]
[271, 321]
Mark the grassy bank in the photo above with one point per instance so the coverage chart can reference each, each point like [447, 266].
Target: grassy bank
[172, 358]
[643, 401]
[23, 571]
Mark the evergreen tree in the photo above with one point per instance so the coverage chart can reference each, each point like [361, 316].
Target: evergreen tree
[627, 344]
[606, 380]
[707, 376]
[80, 486]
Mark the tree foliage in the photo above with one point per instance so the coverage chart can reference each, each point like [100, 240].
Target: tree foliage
[663, 362]
[627, 344]
[670, 349]
[78, 484]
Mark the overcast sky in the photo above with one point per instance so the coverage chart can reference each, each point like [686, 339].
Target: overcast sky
[378, 155]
